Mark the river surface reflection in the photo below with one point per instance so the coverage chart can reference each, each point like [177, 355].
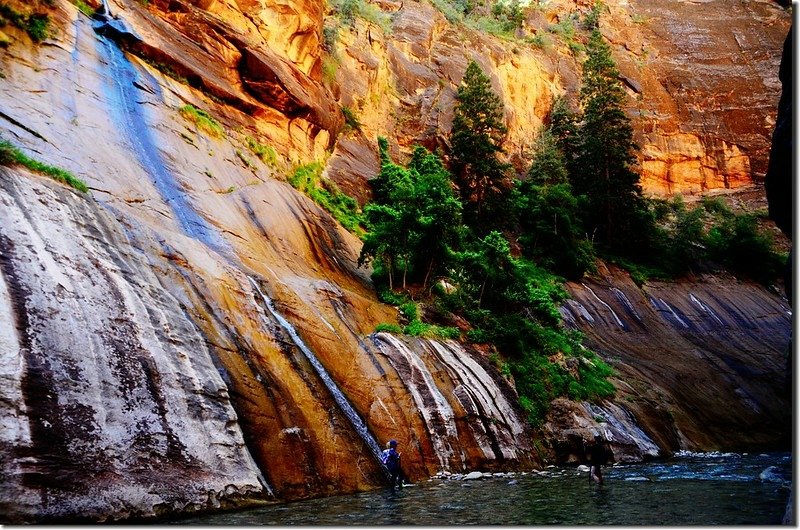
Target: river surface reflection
[691, 489]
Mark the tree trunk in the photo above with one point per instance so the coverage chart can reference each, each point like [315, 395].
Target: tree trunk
[427, 274]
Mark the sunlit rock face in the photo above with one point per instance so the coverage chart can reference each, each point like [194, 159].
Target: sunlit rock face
[704, 87]
[701, 80]
[467, 409]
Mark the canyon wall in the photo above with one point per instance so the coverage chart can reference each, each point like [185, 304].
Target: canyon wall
[195, 333]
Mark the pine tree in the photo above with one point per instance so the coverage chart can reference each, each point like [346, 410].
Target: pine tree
[550, 215]
[564, 128]
[476, 142]
[607, 153]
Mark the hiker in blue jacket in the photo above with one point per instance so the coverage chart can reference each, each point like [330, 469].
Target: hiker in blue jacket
[391, 459]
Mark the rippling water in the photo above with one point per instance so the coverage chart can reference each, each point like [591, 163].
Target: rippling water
[697, 489]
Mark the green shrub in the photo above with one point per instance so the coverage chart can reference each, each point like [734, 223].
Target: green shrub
[265, 153]
[9, 154]
[349, 10]
[83, 7]
[742, 246]
[330, 36]
[36, 25]
[388, 328]
[410, 311]
[330, 65]
[203, 120]
[308, 179]
[350, 120]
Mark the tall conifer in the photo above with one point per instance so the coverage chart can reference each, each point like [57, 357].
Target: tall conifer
[607, 153]
[476, 141]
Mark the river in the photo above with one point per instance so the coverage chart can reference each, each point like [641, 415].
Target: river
[690, 489]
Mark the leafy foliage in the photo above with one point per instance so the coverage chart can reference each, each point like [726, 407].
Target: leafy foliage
[549, 214]
[411, 224]
[308, 179]
[9, 154]
[203, 120]
[737, 242]
[36, 25]
[349, 10]
[350, 120]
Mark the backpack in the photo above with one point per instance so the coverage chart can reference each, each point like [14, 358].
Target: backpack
[391, 459]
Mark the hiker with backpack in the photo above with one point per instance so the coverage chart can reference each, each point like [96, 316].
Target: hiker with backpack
[391, 459]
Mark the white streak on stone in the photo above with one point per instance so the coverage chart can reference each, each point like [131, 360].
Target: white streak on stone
[706, 308]
[619, 322]
[480, 386]
[421, 382]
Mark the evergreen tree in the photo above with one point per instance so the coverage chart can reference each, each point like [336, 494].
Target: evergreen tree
[604, 166]
[564, 128]
[550, 215]
[476, 142]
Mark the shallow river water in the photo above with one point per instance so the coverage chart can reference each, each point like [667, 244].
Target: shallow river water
[691, 489]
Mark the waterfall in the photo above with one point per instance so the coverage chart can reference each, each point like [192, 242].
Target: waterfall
[133, 124]
[330, 384]
[436, 411]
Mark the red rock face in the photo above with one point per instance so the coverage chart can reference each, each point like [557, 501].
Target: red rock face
[705, 76]
[702, 81]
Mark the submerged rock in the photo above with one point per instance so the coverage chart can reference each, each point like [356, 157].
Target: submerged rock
[772, 474]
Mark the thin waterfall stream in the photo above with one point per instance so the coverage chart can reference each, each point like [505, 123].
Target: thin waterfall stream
[133, 124]
[330, 384]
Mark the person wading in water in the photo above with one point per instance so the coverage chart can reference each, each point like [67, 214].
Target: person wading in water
[597, 453]
[391, 459]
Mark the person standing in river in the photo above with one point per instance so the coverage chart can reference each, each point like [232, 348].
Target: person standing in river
[391, 459]
[597, 453]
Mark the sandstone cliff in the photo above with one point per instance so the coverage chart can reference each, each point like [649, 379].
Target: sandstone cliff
[192, 332]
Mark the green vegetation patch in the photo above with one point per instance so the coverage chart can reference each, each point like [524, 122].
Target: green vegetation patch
[351, 122]
[415, 327]
[265, 153]
[83, 7]
[9, 155]
[203, 120]
[349, 10]
[308, 179]
[501, 18]
[36, 25]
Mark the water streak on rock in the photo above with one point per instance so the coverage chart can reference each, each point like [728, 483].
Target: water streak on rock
[133, 124]
[341, 400]
[487, 399]
[663, 307]
[706, 309]
[614, 314]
